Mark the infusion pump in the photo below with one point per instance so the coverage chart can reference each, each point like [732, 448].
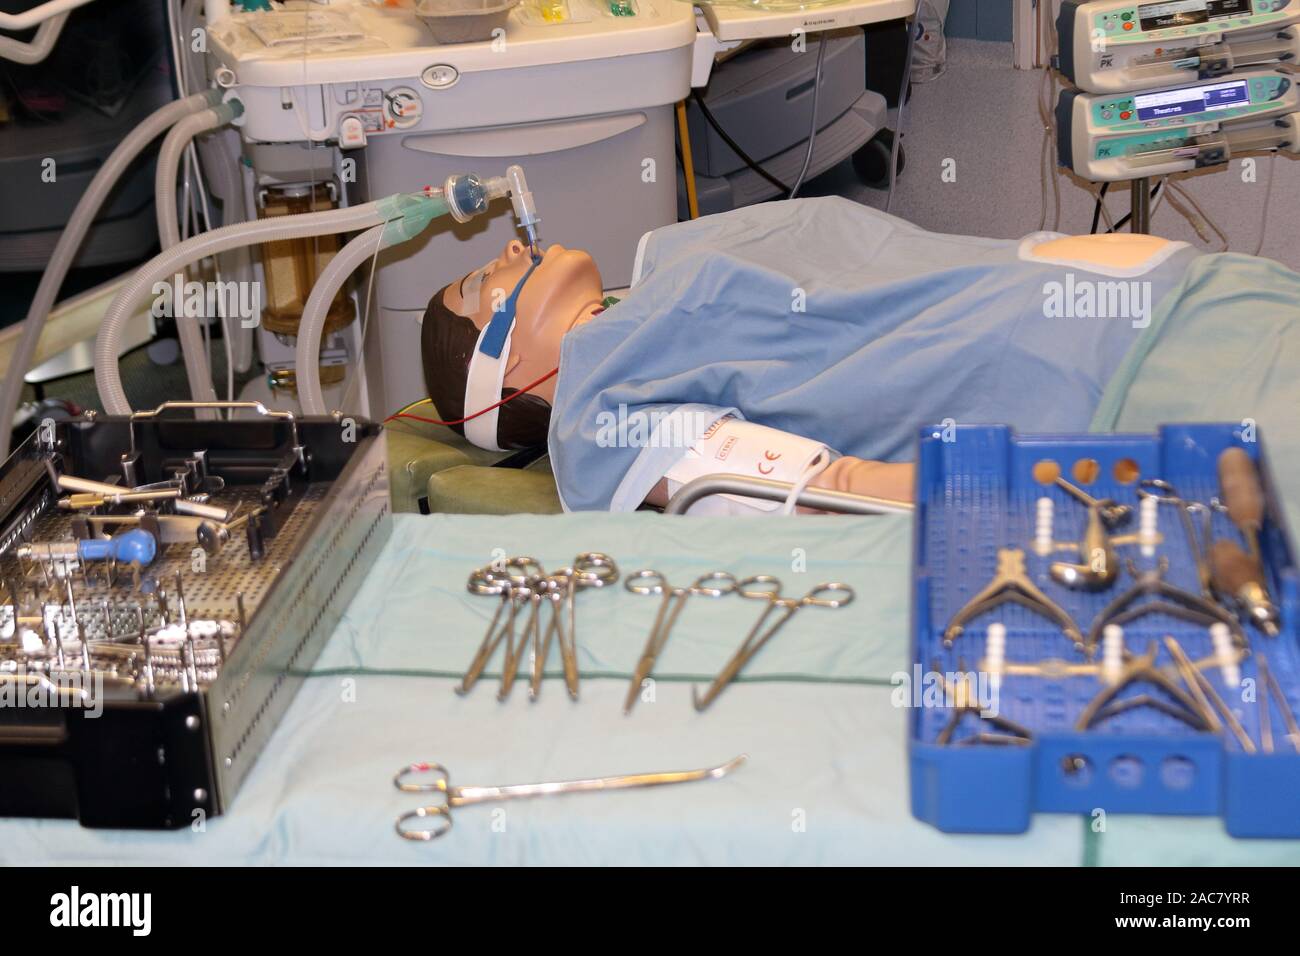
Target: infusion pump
[1112, 46]
[1109, 137]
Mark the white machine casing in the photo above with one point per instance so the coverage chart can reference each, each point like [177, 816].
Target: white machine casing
[1111, 46]
[1110, 137]
[585, 107]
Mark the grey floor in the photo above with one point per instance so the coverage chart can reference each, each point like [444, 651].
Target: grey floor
[983, 114]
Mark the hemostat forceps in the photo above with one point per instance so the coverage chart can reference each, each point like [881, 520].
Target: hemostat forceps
[464, 796]
[590, 570]
[1011, 583]
[767, 588]
[511, 581]
[714, 584]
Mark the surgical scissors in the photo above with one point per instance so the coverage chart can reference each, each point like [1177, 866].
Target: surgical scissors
[765, 587]
[591, 569]
[713, 584]
[465, 796]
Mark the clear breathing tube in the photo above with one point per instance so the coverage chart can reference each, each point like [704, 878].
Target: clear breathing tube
[461, 197]
[386, 222]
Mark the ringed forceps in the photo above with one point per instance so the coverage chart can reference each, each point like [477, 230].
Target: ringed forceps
[516, 582]
[590, 569]
[767, 588]
[465, 796]
[713, 584]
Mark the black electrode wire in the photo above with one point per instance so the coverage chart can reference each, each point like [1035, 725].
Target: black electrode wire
[1096, 210]
[1128, 215]
[735, 147]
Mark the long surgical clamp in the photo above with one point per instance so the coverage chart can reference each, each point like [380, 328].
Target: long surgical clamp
[1011, 583]
[714, 584]
[440, 813]
[590, 569]
[500, 582]
[767, 588]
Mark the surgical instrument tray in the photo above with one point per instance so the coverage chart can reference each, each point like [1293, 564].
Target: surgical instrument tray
[140, 693]
[1165, 708]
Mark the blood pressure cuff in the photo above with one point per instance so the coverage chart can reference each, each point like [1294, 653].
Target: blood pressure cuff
[733, 446]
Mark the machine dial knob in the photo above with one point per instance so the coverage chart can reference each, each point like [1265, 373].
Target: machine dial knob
[403, 108]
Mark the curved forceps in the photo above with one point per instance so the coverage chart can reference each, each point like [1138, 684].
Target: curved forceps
[713, 584]
[498, 581]
[1199, 544]
[591, 569]
[464, 796]
[764, 587]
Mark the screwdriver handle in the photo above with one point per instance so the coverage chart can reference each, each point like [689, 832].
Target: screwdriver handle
[1239, 484]
[1233, 567]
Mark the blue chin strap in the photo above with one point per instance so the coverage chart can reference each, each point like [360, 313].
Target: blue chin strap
[498, 330]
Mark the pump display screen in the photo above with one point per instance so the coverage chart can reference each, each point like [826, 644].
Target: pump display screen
[1182, 13]
[1195, 99]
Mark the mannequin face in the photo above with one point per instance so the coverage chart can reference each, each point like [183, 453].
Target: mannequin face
[563, 291]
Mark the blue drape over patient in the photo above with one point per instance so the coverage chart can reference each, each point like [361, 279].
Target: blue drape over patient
[833, 321]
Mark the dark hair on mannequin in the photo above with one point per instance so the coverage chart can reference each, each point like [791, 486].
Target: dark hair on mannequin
[446, 343]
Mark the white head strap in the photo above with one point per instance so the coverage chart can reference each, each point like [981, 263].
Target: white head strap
[487, 365]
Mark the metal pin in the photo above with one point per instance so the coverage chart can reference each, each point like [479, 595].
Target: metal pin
[108, 621]
[58, 641]
[1288, 715]
[1262, 702]
[180, 602]
[1234, 724]
[148, 654]
[1188, 672]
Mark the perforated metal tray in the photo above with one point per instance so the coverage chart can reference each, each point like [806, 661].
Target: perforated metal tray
[173, 734]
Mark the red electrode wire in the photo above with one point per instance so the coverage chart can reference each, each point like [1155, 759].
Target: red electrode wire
[460, 421]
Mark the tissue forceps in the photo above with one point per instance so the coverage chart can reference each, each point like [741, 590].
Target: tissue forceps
[713, 584]
[466, 796]
[591, 569]
[767, 588]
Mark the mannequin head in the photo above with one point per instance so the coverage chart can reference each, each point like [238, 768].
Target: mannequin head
[562, 292]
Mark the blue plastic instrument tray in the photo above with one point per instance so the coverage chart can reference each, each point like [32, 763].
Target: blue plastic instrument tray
[976, 494]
